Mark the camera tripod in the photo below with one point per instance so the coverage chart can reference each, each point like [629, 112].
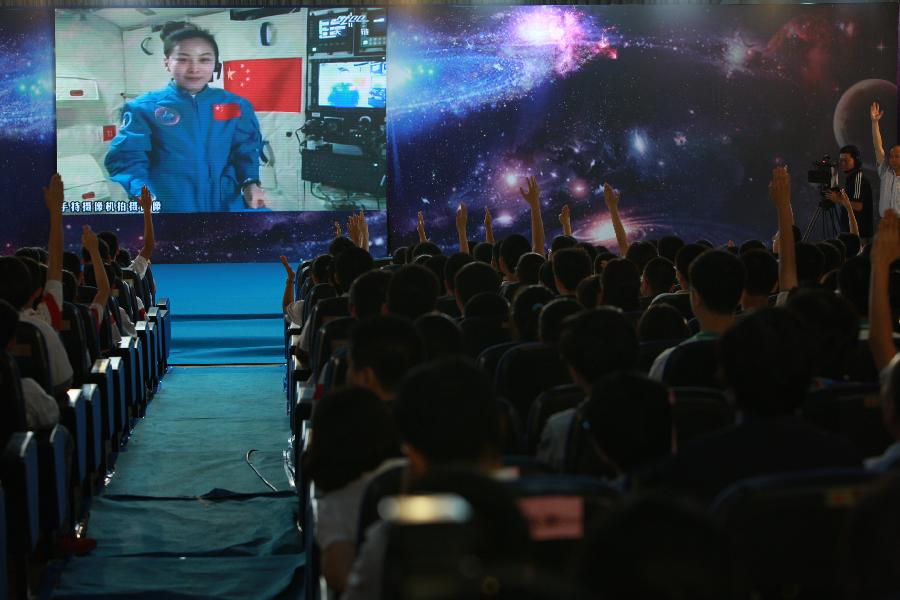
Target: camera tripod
[826, 216]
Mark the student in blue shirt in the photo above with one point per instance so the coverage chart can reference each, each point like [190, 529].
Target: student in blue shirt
[195, 147]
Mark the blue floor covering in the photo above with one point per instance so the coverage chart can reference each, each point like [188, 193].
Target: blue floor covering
[157, 537]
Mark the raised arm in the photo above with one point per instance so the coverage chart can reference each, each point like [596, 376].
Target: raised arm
[353, 229]
[875, 113]
[851, 214]
[488, 226]
[532, 197]
[611, 197]
[363, 231]
[54, 195]
[462, 216]
[146, 202]
[420, 226]
[91, 243]
[288, 297]
[780, 193]
[565, 219]
[885, 250]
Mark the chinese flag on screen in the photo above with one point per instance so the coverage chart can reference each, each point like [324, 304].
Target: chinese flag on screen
[269, 84]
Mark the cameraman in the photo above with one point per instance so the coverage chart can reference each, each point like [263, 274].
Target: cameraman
[858, 190]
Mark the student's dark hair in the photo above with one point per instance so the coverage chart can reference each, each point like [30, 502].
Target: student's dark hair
[354, 434]
[831, 256]
[546, 277]
[400, 255]
[685, 256]
[483, 252]
[552, 316]
[668, 246]
[851, 242]
[447, 411]
[528, 269]
[718, 278]
[751, 245]
[475, 278]
[15, 281]
[601, 258]
[511, 248]
[840, 248]
[350, 264]
[31, 252]
[656, 546]
[175, 32]
[71, 263]
[588, 291]
[487, 304]
[69, 287]
[831, 329]
[765, 362]
[526, 309]
[589, 248]
[441, 334]
[9, 318]
[321, 267]
[762, 272]
[810, 262]
[621, 282]
[436, 264]
[872, 556]
[853, 283]
[630, 418]
[390, 345]
[455, 262]
[421, 259]
[570, 266]
[598, 341]
[705, 243]
[339, 244]
[659, 273]
[640, 253]
[662, 322]
[412, 291]
[562, 241]
[112, 241]
[102, 247]
[123, 258]
[367, 293]
[426, 247]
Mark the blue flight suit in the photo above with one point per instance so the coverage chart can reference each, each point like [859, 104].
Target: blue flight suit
[192, 152]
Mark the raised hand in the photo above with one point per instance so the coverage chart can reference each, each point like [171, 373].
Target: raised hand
[254, 196]
[420, 226]
[565, 219]
[89, 239]
[780, 187]
[488, 220]
[337, 229]
[875, 112]
[54, 194]
[287, 267]
[353, 228]
[462, 216]
[533, 194]
[363, 224]
[610, 196]
[146, 199]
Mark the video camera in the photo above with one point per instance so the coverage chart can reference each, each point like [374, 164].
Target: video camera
[824, 173]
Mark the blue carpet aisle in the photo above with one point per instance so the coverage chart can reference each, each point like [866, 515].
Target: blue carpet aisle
[157, 538]
[225, 313]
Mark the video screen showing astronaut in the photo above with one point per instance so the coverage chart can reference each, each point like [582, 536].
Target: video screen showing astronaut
[206, 108]
[684, 109]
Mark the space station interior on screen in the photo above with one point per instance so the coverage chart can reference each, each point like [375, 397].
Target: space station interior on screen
[291, 118]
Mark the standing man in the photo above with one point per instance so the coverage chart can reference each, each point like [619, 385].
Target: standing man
[888, 170]
[858, 190]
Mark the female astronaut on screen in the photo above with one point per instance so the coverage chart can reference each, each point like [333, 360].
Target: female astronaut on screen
[195, 147]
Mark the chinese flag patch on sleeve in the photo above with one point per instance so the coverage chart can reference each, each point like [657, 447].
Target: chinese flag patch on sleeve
[225, 112]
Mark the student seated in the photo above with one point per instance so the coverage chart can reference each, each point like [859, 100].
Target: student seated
[380, 352]
[412, 291]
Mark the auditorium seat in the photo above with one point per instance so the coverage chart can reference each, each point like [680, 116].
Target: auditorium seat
[649, 350]
[19, 474]
[74, 339]
[91, 334]
[526, 370]
[96, 449]
[699, 410]
[74, 417]
[316, 293]
[786, 531]
[511, 433]
[488, 358]
[102, 376]
[53, 484]
[852, 410]
[330, 336]
[482, 332]
[12, 408]
[547, 403]
[30, 352]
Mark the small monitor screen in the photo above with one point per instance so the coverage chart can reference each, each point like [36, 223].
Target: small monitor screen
[376, 25]
[333, 28]
[352, 84]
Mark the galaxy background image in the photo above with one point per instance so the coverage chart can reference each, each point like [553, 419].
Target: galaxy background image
[28, 159]
[684, 109]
